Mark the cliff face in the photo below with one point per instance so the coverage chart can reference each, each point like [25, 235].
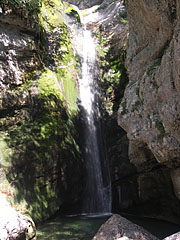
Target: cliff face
[150, 109]
[85, 3]
[39, 153]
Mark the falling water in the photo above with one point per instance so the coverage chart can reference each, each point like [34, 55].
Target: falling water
[97, 196]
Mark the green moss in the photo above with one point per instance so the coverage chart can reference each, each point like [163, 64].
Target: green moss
[25, 8]
[50, 16]
[48, 84]
[113, 73]
[42, 134]
[124, 21]
[65, 60]
[69, 87]
[71, 11]
[101, 7]
[5, 152]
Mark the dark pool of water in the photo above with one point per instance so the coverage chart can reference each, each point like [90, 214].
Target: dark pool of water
[158, 228]
[71, 228]
[85, 227]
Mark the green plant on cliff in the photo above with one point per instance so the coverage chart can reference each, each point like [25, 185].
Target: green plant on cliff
[27, 9]
[102, 7]
[115, 78]
[72, 12]
[113, 72]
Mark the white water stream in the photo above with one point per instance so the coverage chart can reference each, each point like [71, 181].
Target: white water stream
[97, 196]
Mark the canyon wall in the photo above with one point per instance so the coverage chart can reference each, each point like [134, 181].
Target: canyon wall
[39, 149]
[150, 109]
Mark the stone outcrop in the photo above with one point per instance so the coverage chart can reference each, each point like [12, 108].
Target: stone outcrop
[149, 111]
[119, 228]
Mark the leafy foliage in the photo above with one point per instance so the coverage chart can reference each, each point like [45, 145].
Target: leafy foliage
[24, 8]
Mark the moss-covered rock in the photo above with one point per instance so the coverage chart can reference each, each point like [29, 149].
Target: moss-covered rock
[40, 158]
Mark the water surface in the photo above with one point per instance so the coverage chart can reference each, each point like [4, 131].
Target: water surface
[71, 228]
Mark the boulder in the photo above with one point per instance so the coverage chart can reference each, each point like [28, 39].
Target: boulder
[175, 236]
[14, 225]
[119, 228]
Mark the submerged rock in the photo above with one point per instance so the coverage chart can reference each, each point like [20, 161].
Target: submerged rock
[119, 228]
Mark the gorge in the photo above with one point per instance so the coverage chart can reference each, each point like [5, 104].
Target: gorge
[48, 128]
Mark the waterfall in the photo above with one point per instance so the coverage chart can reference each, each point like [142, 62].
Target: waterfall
[97, 189]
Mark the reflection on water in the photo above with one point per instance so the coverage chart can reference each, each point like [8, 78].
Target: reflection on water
[71, 228]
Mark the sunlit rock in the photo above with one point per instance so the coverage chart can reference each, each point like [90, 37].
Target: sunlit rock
[14, 225]
[119, 228]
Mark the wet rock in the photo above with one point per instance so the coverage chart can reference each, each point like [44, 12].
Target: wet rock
[119, 228]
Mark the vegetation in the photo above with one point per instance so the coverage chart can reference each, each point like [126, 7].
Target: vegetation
[101, 7]
[71, 11]
[114, 77]
[27, 9]
[40, 134]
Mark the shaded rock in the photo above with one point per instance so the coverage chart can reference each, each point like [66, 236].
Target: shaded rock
[119, 228]
[175, 176]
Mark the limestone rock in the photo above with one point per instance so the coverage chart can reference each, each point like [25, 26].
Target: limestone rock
[119, 228]
[150, 111]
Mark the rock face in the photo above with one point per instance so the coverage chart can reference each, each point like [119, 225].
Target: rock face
[39, 152]
[150, 111]
[85, 3]
[119, 228]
